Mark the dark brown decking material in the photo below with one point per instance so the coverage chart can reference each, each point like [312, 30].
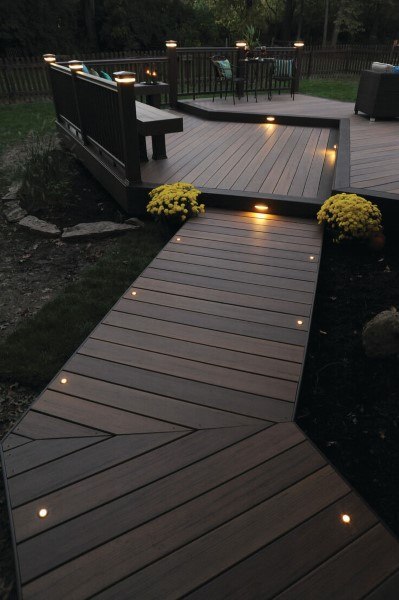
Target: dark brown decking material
[166, 461]
[374, 148]
[245, 157]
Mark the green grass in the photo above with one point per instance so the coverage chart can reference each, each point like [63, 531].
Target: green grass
[34, 353]
[335, 89]
[17, 120]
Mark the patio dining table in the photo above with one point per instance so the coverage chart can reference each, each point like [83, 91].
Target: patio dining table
[258, 75]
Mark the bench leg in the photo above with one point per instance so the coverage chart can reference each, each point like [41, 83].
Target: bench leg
[143, 149]
[158, 147]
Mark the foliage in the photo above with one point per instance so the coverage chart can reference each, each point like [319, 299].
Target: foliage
[46, 172]
[350, 217]
[39, 347]
[251, 36]
[175, 202]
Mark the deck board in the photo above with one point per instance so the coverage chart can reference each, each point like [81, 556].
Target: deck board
[373, 145]
[167, 460]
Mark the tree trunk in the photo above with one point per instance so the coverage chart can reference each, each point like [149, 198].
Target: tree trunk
[287, 23]
[300, 20]
[90, 20]
[337, 25]
[325, 28]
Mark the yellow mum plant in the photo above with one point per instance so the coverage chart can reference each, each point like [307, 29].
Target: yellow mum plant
[174, 202]
[351, 217]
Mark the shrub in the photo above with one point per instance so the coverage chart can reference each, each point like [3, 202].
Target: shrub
[174, 202]
[46, 173]
[350, 217]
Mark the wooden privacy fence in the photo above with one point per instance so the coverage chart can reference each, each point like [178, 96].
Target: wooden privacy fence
[24, 79]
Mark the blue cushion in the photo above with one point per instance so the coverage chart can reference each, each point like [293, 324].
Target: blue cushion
[105, 75]
[85, 69]
[395, 70]
[225, 68]
[283, 67]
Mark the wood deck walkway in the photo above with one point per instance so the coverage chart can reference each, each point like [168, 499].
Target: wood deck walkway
[374, 146]
[245, 157]
[164, 454]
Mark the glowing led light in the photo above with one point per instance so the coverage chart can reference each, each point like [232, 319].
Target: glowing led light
[241, 44]
[335, 146]
[262, 207]
[43, 512]
[134, 293]
[75, 65]
[49, 58]
[311, 257]
[64, 380]
[300, 322]
[124, 77]
[299, 44]
[178, 239]
[345, 519]
[171, 44]
[270, 119]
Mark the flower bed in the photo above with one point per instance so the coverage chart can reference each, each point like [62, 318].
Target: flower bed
[349, 404]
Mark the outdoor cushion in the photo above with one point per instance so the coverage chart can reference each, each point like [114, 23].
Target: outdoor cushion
[105, 75]
[283, 67]
[85, 69]
[94, 72]
[225, 68]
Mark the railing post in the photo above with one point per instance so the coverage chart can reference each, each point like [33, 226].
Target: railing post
[241, 45]
[50, 59]
[128, 119]
[171, 53]
[299, 45]
[76, 67]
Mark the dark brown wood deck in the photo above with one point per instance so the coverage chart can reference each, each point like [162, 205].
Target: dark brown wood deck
[374, 145]
[246, 157]
[164, 454]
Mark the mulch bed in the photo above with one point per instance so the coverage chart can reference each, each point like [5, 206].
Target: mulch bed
[349, 404]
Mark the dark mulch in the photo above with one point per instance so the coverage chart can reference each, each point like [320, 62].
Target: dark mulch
[349, 404]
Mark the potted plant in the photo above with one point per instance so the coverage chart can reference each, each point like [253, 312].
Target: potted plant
[172, 204]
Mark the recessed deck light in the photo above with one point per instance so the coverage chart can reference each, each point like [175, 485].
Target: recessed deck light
[261, 207]
[345, 519]
[270, 119]
[178, 239]
[42, 513]
[64, 380]
[300, 322]
[311, 257]
[134, 293]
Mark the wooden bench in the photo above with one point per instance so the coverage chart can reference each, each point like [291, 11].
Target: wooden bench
[156, 123]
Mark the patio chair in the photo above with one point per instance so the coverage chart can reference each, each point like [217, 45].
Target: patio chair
[284, 72]
[225, 77]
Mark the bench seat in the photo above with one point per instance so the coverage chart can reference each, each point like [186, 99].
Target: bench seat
[156, 123]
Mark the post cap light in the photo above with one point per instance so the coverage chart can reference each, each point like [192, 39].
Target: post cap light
[49, 58]
[125, 77]
[171, 44]
[75, 65]
[241, 44]
[299, 44]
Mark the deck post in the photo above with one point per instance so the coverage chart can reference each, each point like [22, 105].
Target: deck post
[50, 59]
[299, 54]
[128, 119]
[241, 46]
[76, 67]
[171, 53]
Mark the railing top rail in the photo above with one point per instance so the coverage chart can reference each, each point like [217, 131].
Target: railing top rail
[61, 68]
[119, 61]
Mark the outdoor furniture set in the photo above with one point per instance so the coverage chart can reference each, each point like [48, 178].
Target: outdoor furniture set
[378, 95]
[253, 74]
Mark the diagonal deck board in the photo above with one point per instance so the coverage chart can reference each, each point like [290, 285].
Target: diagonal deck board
[247, 157]
[166, 462]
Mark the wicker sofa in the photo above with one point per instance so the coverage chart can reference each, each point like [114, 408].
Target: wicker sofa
[378, 95]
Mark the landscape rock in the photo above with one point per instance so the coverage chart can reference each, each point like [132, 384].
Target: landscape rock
[39, 226]
[13, 211]
[134, 221]
[95, 230]
[381, 334]
[13, 190]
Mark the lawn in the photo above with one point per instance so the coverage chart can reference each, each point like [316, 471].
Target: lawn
[334, 89]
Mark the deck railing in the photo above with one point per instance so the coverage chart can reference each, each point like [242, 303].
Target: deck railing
[24, 79]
